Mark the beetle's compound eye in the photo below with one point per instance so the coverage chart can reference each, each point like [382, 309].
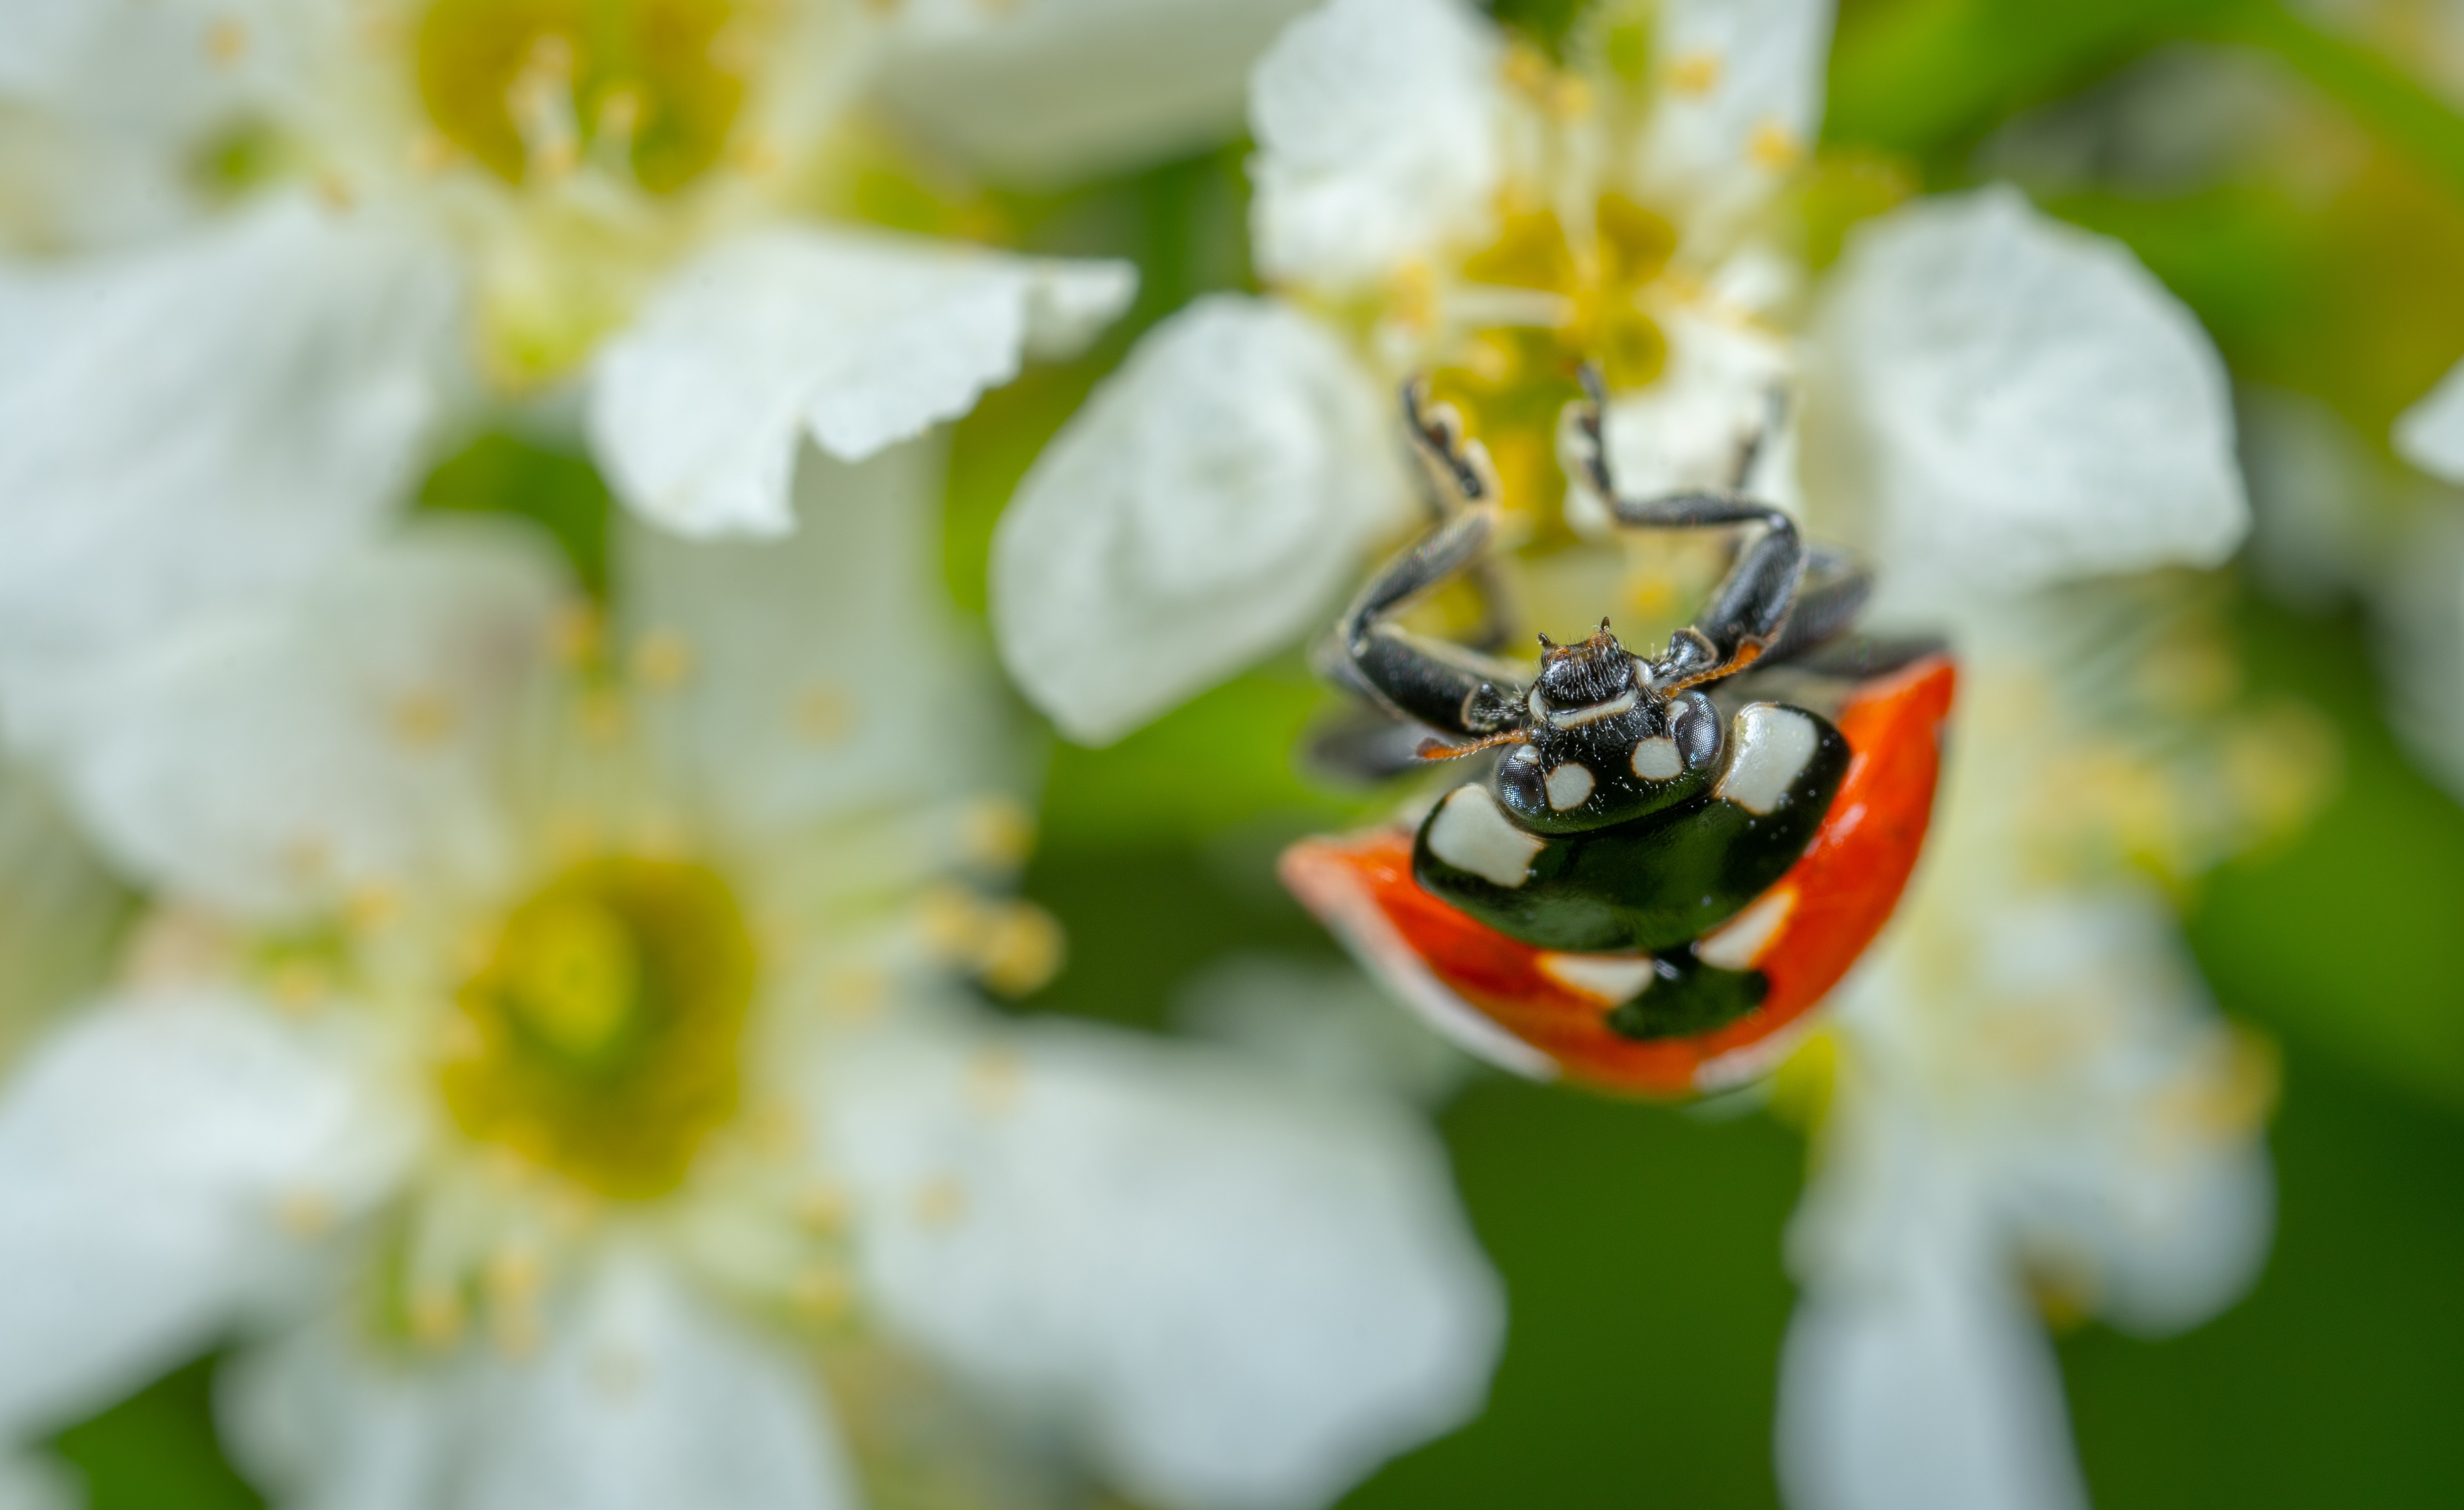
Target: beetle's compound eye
[1696, 728]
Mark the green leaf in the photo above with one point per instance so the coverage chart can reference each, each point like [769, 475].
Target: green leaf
[1928, 76]
[558, 491]
[156, 1450]
[2347, 936]
[1224, 760]
[2378, 92]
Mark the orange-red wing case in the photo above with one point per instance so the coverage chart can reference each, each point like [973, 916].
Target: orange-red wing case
[1544, 1013]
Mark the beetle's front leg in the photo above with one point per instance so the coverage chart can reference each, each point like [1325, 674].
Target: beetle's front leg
[1443, 686]
[1459, 476]
[1750, 611]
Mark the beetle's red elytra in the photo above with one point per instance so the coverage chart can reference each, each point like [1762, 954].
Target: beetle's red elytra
[1545, 1013]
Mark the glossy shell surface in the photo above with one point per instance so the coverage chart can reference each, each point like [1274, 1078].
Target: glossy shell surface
[1543, 1012]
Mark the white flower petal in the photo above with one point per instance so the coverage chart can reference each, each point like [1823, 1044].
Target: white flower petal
[205, 422]
[61, 912]
[1713, 398]
[349, 733]
[1378, 124]
[1741, 93]
[2056, 1072]
[698, 410]
[642, 1396]
[1246, 1291]
[2422, 644]
[146, 1151]
[1052, 89]
[2129, 1161]
[2430, 435]
[1935, 1392]
[323, 1422]
[1207, 505]
[155, 71]
[2010, 402]
[1324, 1023]
[32, 1481]
[819, 675]
[649, 1398]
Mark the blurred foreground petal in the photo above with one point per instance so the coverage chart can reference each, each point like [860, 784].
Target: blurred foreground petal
[2027, 405]
[146, 1152]
[342, 737]
[204, 421]
[647, 1397]
[1048, 90]
[2430, 435]
[859, 341]
[1376, 126]
[1208, 504]
[1757, 69]
[800, 661]
[1246, 1291]
[1931, 1388]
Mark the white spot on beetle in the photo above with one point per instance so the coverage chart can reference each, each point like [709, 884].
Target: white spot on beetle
[1739, 942]
[1656, 758]
[1568, 785]
[1606, 978]
[1773, 745]
[1470, 834]
[1592, 713]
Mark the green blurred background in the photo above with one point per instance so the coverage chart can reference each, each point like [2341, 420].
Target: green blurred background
[2324, 247]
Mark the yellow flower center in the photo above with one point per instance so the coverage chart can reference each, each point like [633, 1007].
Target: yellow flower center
[602, 1032]
[1571, 293]
[532, 88]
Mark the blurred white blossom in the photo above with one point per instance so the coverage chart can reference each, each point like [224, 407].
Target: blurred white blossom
[542, 1056]
[1994, 400]
[2031, 1088]
[2031, 1101]
[295, 242]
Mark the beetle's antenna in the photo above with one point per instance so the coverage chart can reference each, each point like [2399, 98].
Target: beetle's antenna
[1439, 750]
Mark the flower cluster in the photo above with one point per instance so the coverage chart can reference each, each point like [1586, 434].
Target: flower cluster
[529, 994]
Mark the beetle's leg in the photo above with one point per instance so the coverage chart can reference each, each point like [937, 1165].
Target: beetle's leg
[1834, 588]
[1749, 609]
[1459, 466]
[1458, 475]
[1443, 686]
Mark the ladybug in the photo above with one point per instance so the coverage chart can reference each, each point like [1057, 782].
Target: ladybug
[1666, 860]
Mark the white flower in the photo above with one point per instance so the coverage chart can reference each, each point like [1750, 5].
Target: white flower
[1036, 91]
[2030, 1098]
[1983, 394]
[541, 1054]
[410, 205]
[2430, 435]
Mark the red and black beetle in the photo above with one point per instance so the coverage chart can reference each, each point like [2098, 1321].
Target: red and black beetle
[1670, 860]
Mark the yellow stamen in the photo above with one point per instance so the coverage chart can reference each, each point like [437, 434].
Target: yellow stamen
[530, 88]
[1695, 73]
[599, 1037]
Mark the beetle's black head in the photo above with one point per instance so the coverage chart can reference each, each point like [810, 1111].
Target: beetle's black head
[1591, 674]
